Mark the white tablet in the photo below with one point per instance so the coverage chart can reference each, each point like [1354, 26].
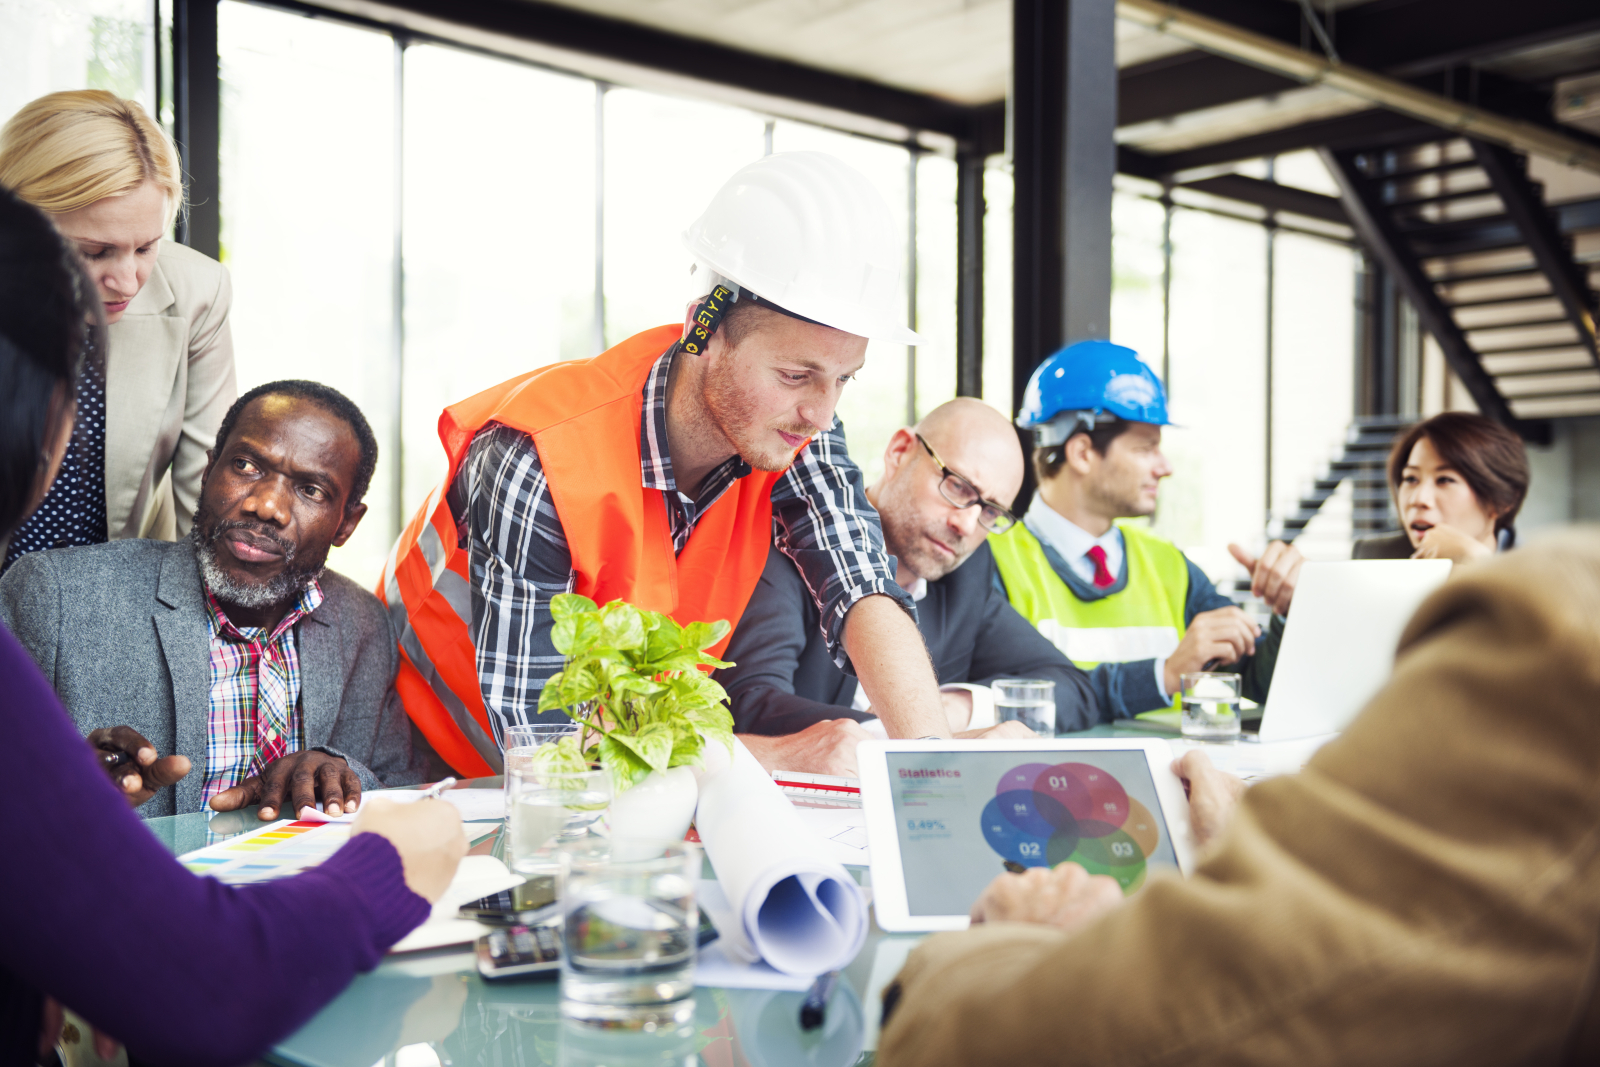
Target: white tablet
[945, 817]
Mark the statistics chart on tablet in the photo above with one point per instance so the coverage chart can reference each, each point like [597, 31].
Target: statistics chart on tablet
[962, 816]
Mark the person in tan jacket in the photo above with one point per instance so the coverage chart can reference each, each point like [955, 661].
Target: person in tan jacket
[1426, 891]
[149, 405]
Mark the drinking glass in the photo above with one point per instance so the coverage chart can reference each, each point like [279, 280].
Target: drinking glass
[1210, 706]
[522, 741]
[1030, 701]
[629, 927]
[549, 812]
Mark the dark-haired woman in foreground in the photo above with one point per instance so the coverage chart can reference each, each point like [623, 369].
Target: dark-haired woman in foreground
[1458, 480]
[99, 917]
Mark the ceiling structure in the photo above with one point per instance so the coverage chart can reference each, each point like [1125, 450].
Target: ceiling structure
[1197, 122]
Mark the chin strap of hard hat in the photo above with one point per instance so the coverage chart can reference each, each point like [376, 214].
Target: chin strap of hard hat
[707, 317]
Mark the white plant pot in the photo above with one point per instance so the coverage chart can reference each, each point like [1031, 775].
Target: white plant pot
[659, 808]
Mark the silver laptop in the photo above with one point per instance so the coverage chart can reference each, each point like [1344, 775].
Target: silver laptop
[1339, 641]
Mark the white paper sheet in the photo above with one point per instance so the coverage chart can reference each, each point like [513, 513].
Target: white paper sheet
[477, 876]
[475, 805]
[843, 832]
[793, 904]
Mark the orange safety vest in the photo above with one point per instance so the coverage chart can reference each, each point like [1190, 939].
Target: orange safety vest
[584, 418]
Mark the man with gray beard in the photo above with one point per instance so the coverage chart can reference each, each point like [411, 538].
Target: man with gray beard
[232, 665]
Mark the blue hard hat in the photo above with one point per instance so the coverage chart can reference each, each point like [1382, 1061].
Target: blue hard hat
[1085, 380]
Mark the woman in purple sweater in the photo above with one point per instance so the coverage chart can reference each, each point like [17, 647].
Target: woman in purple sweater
[97, 915]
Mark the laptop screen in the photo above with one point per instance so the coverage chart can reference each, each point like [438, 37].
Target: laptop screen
[962, 815]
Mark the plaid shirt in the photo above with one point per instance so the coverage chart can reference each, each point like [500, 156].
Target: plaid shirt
[254, 713]
[519, 555]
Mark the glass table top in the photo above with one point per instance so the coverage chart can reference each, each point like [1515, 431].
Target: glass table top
[432, 1009]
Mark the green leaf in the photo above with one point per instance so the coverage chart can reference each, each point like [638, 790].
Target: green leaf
[653, 744]
[621, 625]
[626, 767]
[566, 605]
[702, 635]
[561, 757]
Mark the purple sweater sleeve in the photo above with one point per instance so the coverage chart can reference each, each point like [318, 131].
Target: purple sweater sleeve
[181, 969]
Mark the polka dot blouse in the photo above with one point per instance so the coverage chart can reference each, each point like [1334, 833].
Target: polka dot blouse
[74, 511]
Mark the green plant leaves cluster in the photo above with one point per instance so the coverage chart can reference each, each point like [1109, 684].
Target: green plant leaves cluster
[633, 677]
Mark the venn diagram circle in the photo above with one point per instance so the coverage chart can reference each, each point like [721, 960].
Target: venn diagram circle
[1045, 814]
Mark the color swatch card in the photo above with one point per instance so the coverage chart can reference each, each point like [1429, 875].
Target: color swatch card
[277, 850]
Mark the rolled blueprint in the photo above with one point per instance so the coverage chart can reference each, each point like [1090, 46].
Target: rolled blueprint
[792, 905]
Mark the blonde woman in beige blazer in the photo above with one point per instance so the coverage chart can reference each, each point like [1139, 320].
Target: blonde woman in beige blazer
[169, 381]
[149, 406]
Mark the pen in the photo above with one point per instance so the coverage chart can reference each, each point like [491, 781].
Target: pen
[815, 1009]
[433, 791]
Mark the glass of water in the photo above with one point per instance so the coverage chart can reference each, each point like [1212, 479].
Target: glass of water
[523, 741]
[1030, 701]
[551, 811]
[629, 929]
[1210, 706]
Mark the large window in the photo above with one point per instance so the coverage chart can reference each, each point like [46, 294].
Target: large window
[50, 45]
[308, 223]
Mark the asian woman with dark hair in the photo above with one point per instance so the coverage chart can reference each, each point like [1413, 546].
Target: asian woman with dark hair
[1458, 481]
[181, 969]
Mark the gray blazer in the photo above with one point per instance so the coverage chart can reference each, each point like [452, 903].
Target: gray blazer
[120, 631]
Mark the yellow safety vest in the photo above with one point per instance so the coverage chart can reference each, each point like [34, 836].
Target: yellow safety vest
[1143, 621]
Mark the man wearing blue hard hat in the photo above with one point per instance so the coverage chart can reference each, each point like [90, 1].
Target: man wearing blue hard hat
[1115, 597]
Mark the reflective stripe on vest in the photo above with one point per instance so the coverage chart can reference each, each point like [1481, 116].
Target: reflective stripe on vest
[1144, 621]
[584, 417]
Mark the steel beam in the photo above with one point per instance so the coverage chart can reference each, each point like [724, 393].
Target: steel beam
[970, 209]
[196, 118]
[1064, 159]
[1525, 206]
[1369, 128]
[1272, 196]
[1383, 240]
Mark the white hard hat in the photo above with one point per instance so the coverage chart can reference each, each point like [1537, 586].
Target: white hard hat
[808, 233]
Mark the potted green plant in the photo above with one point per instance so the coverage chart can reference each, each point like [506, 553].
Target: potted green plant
[632, 678]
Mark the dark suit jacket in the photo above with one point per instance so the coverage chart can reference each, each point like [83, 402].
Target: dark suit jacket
[784, 680]
[120, 631]
[1388, 546]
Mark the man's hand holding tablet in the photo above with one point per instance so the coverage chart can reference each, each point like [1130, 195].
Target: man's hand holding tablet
[1069, 897]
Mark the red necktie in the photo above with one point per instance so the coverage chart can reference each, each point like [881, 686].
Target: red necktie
[1102, 577]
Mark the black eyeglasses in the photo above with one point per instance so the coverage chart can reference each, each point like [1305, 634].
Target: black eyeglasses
[960, 493]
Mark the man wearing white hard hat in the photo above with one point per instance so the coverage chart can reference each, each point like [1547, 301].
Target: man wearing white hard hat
[662, 471]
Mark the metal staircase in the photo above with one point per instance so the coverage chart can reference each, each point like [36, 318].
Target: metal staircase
[1489, 268]
[1361, 463]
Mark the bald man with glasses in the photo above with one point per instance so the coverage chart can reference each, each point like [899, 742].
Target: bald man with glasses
[947, 483]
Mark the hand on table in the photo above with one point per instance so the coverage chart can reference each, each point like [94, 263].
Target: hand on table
[1005, 731]
[827, 747]
[1223, 634]
[1067, 897]
[1447, 542]
[957, 707]
[1273, 576]
[304, 777]
[427, 834]
[136, 768]
[1213, 794]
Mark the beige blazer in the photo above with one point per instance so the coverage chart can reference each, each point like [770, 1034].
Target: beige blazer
[169, 381]
[1426, 891]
